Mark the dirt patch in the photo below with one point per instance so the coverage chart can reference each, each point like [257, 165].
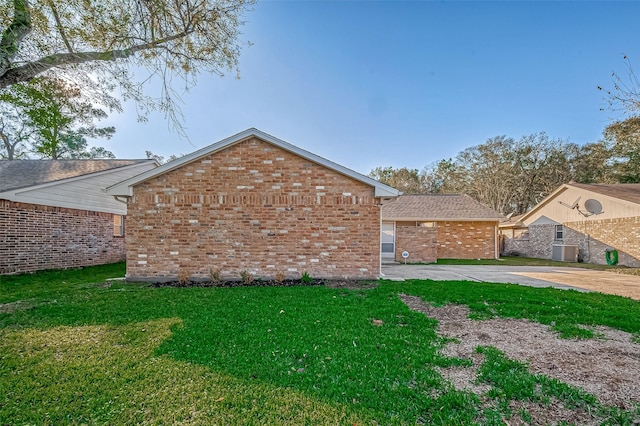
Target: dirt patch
[606, 367]
[9, 308]
[548, 414]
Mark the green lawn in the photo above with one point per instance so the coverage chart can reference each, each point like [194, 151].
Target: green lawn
[76, 351]
[524, 261]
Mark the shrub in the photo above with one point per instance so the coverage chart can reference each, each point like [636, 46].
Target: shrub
[306, 278]
[215, 276]
[184, 276]
[280, 277]
[247, 277]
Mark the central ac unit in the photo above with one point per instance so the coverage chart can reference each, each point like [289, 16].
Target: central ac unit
[565, 253]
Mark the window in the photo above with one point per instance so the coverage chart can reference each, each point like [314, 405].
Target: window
[559, 232]
[388, 239]
[118, 225]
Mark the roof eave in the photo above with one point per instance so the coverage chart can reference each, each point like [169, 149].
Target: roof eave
[125, 188]
[15, 191]
[441, 219]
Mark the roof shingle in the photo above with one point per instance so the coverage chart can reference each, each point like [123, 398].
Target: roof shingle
[623, 191]
[16, 174]
[432, 207]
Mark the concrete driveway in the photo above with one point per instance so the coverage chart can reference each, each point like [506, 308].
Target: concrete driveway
[535, 276]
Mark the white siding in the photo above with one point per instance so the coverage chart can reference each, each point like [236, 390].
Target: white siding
[612, 208]
[84, 193]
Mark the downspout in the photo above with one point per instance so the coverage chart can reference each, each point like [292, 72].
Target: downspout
[496, 243]
[125, 201]
[380, 274]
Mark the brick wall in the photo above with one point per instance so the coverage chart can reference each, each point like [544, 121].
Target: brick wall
[254, 207]
[35, 237]
[595, 236]
[466, 240]
[419, 241]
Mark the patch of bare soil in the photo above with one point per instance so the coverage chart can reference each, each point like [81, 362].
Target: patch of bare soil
[552, 413]
[9, 308]
[606, 367]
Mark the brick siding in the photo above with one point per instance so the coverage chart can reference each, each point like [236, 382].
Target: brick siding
[36, 237]
[419, 241]
[253, 207]
[593, 237]
[466, 240]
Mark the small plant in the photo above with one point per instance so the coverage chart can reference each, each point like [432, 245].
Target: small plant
[183, 276]
[215, 276]
[306, 278]
[247, 277]
[280, 277]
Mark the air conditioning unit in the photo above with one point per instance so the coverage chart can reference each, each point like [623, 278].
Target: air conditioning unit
[565, 253]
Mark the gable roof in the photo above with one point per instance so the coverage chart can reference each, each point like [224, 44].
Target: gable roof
[623, 191]
[433, 207]
[629, 192]
[18, 174]
[125, 188]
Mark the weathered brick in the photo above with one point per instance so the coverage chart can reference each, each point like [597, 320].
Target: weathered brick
[593, 237]
[226, 219]
[36, 237]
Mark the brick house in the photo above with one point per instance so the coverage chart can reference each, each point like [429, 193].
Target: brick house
[254, 203]
[54, 214]
[579, 222]
[435, 226]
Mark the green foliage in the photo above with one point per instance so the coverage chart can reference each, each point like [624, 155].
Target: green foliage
[406, 180]
[59, 117]
[99, 44]
[526, 261]
[511, 380]
[306, 278]
[291, 355]
[511, 176]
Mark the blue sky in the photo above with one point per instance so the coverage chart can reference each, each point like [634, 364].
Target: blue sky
[369, 84]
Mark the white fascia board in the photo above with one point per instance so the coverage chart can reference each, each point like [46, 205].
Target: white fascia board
[125, 188]
[440, 219]
[15, 192]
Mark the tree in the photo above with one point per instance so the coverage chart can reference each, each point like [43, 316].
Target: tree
[160, 159]
[593, 163]
[96, 44]
[625, 94]
[625, 139]
[409, 181]
[442, 177]
[14, 133]
[59, 118]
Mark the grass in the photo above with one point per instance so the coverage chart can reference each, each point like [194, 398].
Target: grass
[75, 351]
[524, 261]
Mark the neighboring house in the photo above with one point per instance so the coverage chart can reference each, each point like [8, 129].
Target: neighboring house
[56, 214]
[579, 222]
[254, 203]
[431, 227]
